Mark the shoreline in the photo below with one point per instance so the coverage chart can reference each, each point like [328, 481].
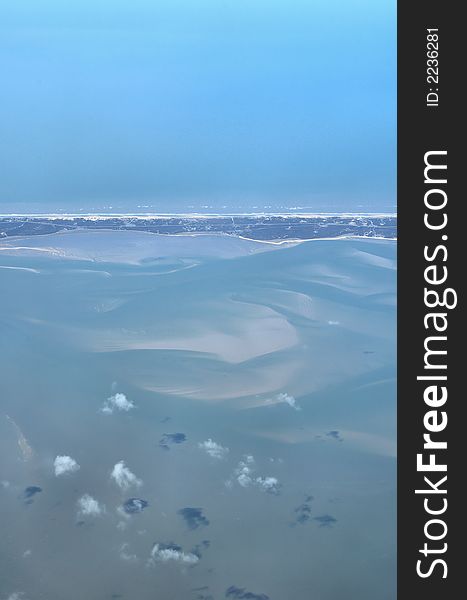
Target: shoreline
[276, 242]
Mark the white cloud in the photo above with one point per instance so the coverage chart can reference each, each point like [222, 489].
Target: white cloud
[270, 485]
[213, 449]
[5, 484]
[16, 596]
[125, 555]
[27, 553]
[65, 464]
[244, 476]
[164, 554]
[290, 400]
[89, 506]
[243, 473]
[123, 477]
[117, 402]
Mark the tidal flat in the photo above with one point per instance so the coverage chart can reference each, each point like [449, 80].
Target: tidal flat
[223, 410]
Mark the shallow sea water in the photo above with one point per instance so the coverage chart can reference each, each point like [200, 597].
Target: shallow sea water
[284, 355]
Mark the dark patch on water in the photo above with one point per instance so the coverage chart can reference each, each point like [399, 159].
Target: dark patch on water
[30, 492]
[168, 439]
[242, 594]
[335, 435]
[193, 517]
[133, 506]
[197, 550]
[325, 520]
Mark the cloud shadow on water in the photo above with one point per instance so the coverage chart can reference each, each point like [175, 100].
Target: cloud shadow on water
[169, 439]
[193, 517]
[30, 492]
[133, 506]
[242, 594]
[325, 520]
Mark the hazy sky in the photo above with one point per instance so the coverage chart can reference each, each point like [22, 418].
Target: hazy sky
[181, 105]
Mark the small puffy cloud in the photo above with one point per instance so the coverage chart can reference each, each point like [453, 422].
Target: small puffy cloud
[193, 517]
[123, 477]
[117, 402]
[172, 553]
[125, 554]
[16, 596]
[168, 439]
[242, 594]
[244, 471]
[325, 520]
[5, 484]
[132, 506]
[290, 400]
[213, 449]
[89, 506]
[65, 464]
[244, 475]
[270, 485]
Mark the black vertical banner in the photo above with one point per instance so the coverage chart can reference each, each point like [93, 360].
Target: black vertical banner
[432, 236]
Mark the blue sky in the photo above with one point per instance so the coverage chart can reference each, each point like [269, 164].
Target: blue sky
[206, 105]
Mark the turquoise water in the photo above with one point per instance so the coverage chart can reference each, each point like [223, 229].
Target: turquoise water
[285, 354]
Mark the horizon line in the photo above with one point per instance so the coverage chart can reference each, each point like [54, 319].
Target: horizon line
[162, 215]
